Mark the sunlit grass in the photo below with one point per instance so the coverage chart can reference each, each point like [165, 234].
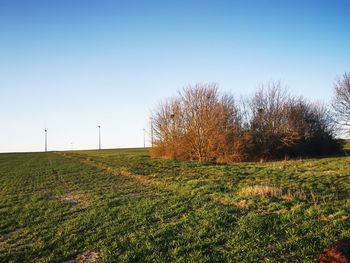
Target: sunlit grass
[121, 205]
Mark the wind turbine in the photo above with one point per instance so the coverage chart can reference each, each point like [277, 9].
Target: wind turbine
[45, 140]
[99, 137]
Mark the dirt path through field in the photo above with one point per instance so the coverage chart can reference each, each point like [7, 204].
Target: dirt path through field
[123, 171]
[177, 188]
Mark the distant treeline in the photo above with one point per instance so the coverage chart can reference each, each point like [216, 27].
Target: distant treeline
[202, 124]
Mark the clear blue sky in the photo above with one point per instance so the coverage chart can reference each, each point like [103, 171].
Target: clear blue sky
[72, 65]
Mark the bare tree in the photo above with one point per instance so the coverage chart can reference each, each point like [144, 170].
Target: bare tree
[283, 125]
[199, 124]
[168, 129]
[271, 120]
[341, 101]
[202, 124]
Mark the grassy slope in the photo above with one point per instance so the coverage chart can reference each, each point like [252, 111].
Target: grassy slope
[127, 207]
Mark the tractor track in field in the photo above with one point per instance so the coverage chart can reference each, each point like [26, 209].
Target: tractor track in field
[65, 193]
[122, 171]
[58, 177]
[220, 199]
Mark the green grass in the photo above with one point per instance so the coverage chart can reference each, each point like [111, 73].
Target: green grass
[124, 206]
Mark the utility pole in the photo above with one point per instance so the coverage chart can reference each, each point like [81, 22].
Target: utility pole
[144, 138]
[99, 137]
[45, 140]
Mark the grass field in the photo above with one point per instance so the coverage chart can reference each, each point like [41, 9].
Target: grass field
[121, 205]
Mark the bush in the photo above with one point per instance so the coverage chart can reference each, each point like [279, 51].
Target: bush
[202, 124]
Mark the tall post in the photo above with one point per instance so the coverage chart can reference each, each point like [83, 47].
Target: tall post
[144, 138]
[99, 137]
[45, 140]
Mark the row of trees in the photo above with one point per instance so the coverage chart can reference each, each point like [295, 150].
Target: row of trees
[202, 124]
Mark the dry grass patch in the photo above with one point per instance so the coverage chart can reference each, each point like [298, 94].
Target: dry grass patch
[242, 203]
[88, 257]
[124, 172]
[261, 191]
[268, 191]
[335, 216]
[291, 194]
[91, 257]
[75, 199]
